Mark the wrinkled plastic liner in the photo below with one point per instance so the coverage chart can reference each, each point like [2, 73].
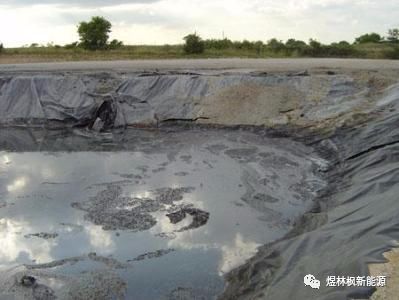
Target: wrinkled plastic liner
[357, 219]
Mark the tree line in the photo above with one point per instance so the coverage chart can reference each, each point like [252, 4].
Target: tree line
[194, 44]
[94, 35]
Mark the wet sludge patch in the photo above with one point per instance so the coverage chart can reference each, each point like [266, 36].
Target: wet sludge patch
[113, 211]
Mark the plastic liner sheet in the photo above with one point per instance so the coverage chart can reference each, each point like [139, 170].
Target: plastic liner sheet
[28, 98]
[356, 221]
[148, 99]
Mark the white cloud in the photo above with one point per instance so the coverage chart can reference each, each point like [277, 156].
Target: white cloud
[167, 21]
[81, 3]
[100, 239]
[236, 254]
[17, 185]
[13, 244]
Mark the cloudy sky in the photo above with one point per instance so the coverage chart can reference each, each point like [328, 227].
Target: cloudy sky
[167, 21]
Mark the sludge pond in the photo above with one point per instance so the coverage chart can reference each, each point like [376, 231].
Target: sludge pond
[236, 186]
[144, 214]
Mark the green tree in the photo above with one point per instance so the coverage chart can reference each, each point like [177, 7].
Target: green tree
[343, 44]
[316, 48]
[275, 45]
[295, 44]
[258, 46]
[315, 44]
[340, 49]
[295, 47]
[247, 45]
[368, 38]
[193, 44]
[94, 34]
[393, 35]
[1, 47]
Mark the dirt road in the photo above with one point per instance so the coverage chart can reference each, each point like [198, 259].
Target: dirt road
[267, 65]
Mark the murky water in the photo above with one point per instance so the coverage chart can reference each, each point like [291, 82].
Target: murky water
[165, 218]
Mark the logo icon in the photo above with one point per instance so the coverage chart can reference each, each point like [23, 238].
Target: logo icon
[311, 281]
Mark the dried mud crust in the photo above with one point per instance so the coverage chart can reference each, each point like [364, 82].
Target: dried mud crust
[112, 210]
[184, 293]
[200, 217]
[108, 262]
[151, 255]
[28, 284]
[391, 270]
[233, 105]
[44, 282]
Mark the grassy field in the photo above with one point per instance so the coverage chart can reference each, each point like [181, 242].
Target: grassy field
[56, 54]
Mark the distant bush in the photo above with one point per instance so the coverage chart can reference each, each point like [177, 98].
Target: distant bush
[393, 35]
[258, 46]
[295, 44]
[1, 47]
[393, 53]
[342, 44]
[193, 44]
[275, 45]
[225, 43]
[218, 44]
[315, 49]
[341, 49]
[115, 44]
[237, 45]
[71, 45]
[368, 38]
[247, 45]
[315, 45]
[295, 47]
[166, 48]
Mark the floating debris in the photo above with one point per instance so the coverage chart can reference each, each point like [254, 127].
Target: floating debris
[28, 281]
[42, 235]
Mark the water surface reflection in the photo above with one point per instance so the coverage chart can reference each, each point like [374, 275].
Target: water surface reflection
[79, 209]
